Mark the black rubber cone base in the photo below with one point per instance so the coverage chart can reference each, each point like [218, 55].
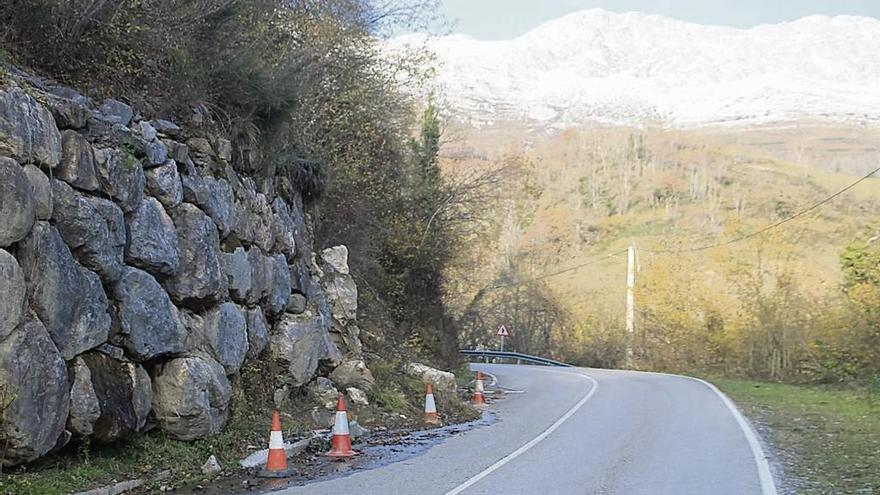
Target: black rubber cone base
[286, 473]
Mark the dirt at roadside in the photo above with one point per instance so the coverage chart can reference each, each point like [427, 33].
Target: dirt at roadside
[382, 445]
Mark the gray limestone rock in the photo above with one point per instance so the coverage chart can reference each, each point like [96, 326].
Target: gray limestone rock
[13, 294]
[27, 129]
[93, 228]
[257, 332]
[17, 206]
[42, 190]
[33, 375]
[149, 325]
[279, 293]
[299, 343]
[191, 397]
[115, 112]
[238, 273]
[77, 166]
[222, 333]
[352, 373]
[67, 298]
[85, 408]
[152, 240]
[123, 394]
[200, 279]
[69, 113]
[121, 177]
[163, 183]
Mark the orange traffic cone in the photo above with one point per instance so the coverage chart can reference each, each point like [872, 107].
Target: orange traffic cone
[276, 463]
[431, 417]
[479, 399]
[341, 446]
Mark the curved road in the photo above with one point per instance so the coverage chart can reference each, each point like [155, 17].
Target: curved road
[584, 432]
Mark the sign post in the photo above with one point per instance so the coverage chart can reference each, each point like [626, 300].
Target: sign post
[502, 332]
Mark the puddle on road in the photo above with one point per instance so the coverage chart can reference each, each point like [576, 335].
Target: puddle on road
[379, 449]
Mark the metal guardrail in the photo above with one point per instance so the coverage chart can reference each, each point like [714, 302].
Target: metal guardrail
[517, 356]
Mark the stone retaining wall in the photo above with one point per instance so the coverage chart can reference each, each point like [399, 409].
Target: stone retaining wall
[139, 271]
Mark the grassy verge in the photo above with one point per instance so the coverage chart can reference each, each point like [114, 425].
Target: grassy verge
[398, 393]
[827, 439]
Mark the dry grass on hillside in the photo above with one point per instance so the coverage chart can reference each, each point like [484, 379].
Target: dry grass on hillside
[575, 195]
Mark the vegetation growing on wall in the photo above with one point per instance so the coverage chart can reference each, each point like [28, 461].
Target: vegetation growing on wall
[309, 99]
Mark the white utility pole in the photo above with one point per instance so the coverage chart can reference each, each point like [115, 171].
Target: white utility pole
[630, 303]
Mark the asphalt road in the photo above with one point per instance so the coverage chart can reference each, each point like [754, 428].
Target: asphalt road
[585, 432]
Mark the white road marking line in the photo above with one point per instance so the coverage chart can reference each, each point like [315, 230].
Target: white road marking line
[531, 443]
[494, 380]
[499, 387]
[765, 476]
[768, 486]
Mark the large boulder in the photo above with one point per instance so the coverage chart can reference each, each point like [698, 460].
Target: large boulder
[191, 397]
[163, 183]
[214, 196]
[261, 275]
[279, 293]
[110, 398]
[152, 240]
[238, 273]
[70, 110]
[342, 294]
[347, 337]
[323, 392]
[352, 373]
[284, 229]
[148, 324]
[67, 298]
[201, 151]
[298, 217]
[114, 112]
[33, 382]
[166, 127]
[93, 228]
[442, 380]
[337, 258]
[257, 332]
[299, 343]
[178, 152]
[27, 129]
[85, 409]
[200, 280]
[221, 333]
[338, 284]
[253, 221]
[270, 281]
[77, 166]
[42, 189]
[121, 177]
[156, 152]
[13, 294]
[17, 206]
[297, 303]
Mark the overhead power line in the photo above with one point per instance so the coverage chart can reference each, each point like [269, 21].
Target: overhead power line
[728, 242]
[770, 227]
[560, 272]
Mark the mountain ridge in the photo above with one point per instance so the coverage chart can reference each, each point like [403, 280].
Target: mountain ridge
[596, 66]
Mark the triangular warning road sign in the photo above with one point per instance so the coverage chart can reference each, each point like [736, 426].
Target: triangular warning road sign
[502, 331]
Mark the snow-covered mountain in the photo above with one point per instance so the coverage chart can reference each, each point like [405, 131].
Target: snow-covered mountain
[599, 66]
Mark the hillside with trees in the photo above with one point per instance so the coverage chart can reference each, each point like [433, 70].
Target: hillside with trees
[790, 303]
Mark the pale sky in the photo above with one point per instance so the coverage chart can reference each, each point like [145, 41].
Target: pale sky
[506, 19]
